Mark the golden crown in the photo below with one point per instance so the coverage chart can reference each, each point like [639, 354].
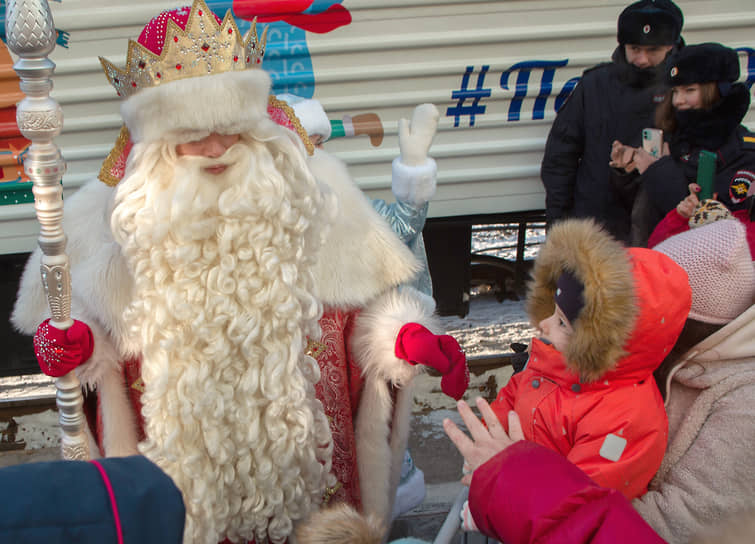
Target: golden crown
[205, 47]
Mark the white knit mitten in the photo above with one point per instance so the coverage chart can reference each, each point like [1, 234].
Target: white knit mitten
[414, 173]
[414, 138]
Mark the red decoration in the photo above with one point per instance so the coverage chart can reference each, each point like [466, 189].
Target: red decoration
[291, 12]
[178, 66]
[154, 33]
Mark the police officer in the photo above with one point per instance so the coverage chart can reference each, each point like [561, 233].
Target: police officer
[613, 101]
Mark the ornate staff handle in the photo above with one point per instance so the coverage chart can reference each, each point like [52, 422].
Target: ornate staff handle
[31, 35]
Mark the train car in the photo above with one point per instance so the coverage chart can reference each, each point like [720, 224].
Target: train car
[496, 69]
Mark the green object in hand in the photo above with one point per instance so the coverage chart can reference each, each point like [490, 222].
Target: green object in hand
[706, 171]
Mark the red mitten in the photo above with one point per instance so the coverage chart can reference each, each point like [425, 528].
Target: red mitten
[58, 352]
[417, 345]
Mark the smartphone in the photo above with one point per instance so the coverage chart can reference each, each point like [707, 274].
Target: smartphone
[706, 171]
[652, 141]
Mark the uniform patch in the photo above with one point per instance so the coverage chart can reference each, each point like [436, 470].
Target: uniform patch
[740, 184]
[612, 448]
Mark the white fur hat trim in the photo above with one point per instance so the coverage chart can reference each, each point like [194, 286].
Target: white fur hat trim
[228, 103]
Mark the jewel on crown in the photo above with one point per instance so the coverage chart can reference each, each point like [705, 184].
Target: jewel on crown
[204, 47]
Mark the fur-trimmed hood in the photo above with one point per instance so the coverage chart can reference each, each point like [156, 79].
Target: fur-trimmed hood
[635, 300]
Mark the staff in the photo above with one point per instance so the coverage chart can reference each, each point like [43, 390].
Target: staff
[31, 36]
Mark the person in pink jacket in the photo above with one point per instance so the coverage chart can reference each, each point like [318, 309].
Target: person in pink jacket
[521, 493]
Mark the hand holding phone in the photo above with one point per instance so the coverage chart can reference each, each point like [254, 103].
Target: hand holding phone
[652, 141]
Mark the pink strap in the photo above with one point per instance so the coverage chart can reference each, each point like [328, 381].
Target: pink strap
[111, 494]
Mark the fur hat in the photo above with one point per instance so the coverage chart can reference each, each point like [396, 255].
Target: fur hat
[190, 71]
[701, 63]
[650, 22]
[624, 291]
[717, 260]
[707, 212]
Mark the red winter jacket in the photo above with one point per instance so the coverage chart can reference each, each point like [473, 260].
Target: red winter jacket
[528, 493]
[614, 430]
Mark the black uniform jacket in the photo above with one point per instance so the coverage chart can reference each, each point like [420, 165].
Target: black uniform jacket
[613, 101]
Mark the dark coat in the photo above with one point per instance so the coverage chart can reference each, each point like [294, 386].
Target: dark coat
[665, 181]
[613, 101]
[67, 501]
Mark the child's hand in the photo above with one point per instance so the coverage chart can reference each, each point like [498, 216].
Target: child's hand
[686, 208]
[485, 442]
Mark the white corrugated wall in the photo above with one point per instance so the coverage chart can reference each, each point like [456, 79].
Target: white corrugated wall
[392, 56]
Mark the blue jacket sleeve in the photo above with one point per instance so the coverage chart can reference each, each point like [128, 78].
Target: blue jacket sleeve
[67, 502]
[528, 493]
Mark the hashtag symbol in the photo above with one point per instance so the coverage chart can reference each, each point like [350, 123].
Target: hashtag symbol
[465, 93]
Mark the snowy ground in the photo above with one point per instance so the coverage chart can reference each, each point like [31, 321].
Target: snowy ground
[489, 328]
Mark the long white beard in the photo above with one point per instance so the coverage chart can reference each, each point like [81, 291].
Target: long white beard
[222, 308]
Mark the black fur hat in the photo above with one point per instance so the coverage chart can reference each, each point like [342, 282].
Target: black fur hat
[701, 63]
[650, 22]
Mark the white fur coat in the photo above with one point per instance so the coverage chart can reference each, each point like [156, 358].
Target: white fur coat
[361, 266]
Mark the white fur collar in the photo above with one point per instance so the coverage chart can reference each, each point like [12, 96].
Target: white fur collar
[362, 256]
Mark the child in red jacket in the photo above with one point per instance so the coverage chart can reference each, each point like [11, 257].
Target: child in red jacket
[691, 212]
[607, 317]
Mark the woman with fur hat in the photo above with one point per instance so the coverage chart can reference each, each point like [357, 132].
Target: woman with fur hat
[702, 110]
[613, 101]
[520, 492]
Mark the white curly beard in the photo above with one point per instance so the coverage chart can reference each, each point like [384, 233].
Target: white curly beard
[222, 308]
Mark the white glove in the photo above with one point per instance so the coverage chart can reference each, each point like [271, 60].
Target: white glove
[414, 173]
[414, 139]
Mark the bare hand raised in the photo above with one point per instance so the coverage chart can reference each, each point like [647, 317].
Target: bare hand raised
[485, 442]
